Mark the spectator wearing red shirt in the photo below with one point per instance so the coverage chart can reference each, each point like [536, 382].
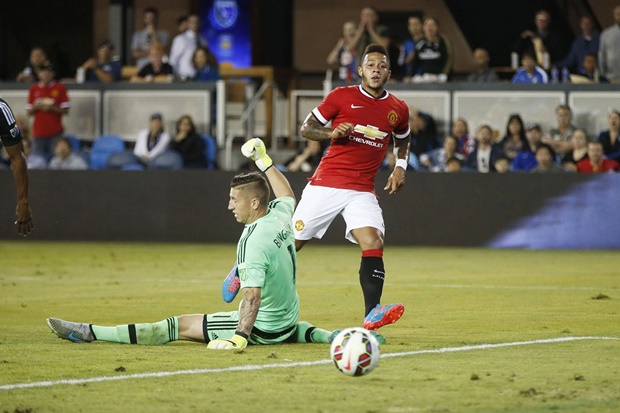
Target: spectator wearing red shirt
[596, 163]
[48, 103]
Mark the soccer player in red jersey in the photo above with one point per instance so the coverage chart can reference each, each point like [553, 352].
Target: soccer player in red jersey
[363, 118]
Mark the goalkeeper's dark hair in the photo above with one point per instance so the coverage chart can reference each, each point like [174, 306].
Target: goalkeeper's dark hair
[255, 182]
[377, 48]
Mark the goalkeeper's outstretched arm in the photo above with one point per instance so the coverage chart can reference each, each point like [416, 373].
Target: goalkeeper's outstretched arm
[255, 150]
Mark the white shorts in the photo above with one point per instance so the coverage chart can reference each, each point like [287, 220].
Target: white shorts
[319, 205]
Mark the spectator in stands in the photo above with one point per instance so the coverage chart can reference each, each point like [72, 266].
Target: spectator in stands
[541, 41]
[34, 160]
[435, 160]
[189, 144]
[578, 153]
[104, 68]
[482, 159]
[610, 138]
[205, 65]
[29, 73]
[343, 56]
[530, 72]
[64, 157]
[502, 164]
[545, 157]
[525, 160]
[559, 138]
[153, 141]
[183, 47]
[423, 132]
[416, 34]
[433, 53]
[460, 130]
[308, 158]
[181, 24]
[156, 71]
[454, 165]
[590, 72]
[369, 31]
[586, 43]
[142, 40]
[596, 162]
[483, 73]
[514, 140]
[609, 52]
[48, 102]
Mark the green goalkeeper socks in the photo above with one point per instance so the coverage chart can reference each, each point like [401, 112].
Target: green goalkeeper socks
[162, 332]
[307, 333]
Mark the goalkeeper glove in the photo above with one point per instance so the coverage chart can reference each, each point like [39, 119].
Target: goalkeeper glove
[256, 151]
[237, 343]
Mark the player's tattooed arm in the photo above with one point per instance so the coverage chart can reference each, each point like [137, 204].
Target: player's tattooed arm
[312, 129]
[248, 310]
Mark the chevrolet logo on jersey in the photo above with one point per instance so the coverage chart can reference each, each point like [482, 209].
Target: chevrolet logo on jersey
[369, 131]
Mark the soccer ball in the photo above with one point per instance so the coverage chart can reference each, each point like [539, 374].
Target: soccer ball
[355, 351]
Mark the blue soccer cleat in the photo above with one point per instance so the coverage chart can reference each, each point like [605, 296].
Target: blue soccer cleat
[76, 332]
[231, 285]
[382, 315]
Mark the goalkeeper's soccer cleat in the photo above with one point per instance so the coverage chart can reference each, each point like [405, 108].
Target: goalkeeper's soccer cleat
[231, 285]
[76, 332]
[382, 315]
[378, 336]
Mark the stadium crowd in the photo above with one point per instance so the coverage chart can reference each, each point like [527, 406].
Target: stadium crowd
[540, 55]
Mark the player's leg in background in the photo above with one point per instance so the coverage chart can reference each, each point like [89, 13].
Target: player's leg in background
[372, 270]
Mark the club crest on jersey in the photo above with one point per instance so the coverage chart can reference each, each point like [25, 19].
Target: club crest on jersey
[299, 225]
[14, 132]
[370, 132]
[392, 117]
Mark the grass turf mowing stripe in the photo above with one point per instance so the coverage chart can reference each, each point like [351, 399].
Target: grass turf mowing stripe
[288, 365]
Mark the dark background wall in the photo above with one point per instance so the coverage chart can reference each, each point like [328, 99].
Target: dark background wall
[467, 209]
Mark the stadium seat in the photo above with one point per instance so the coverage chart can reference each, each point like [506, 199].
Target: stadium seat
[167, 160]
[103, 148]
[132, 167]
[210, 151]
[76, 145]
[120, 160]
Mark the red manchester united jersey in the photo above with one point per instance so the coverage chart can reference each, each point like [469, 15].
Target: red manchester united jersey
[47, 124]
[352, 162]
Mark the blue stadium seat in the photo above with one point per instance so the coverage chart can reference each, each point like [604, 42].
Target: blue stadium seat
[210, 151]
[167, 160]
[120, 160]
[103, 147]
[76, 145]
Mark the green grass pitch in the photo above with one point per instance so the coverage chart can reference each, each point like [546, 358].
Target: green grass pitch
[455, 299]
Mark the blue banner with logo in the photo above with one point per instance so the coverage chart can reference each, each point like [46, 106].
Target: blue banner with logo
[226, 26]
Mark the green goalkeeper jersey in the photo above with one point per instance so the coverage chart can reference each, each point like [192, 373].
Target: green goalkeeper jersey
[267, 260]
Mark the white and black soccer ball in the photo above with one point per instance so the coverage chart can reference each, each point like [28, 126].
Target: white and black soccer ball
[355, 351]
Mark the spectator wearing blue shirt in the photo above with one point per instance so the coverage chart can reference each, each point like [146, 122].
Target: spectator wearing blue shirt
[205, 65]
[530, 72]
[414, 26]
[525, 160]
[586, 43]
[103, 68]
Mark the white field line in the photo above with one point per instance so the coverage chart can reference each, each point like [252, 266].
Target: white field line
[250, 367]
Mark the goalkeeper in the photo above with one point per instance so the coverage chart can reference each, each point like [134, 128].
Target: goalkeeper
[267, 268]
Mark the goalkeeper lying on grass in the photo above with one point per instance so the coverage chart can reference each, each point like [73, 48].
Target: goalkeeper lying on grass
[267, 266]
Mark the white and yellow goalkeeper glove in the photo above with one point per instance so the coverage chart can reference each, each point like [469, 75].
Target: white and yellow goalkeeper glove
[236, 343]
[256, 151]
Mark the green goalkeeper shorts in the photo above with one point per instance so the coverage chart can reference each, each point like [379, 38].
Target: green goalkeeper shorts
[223, 326]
